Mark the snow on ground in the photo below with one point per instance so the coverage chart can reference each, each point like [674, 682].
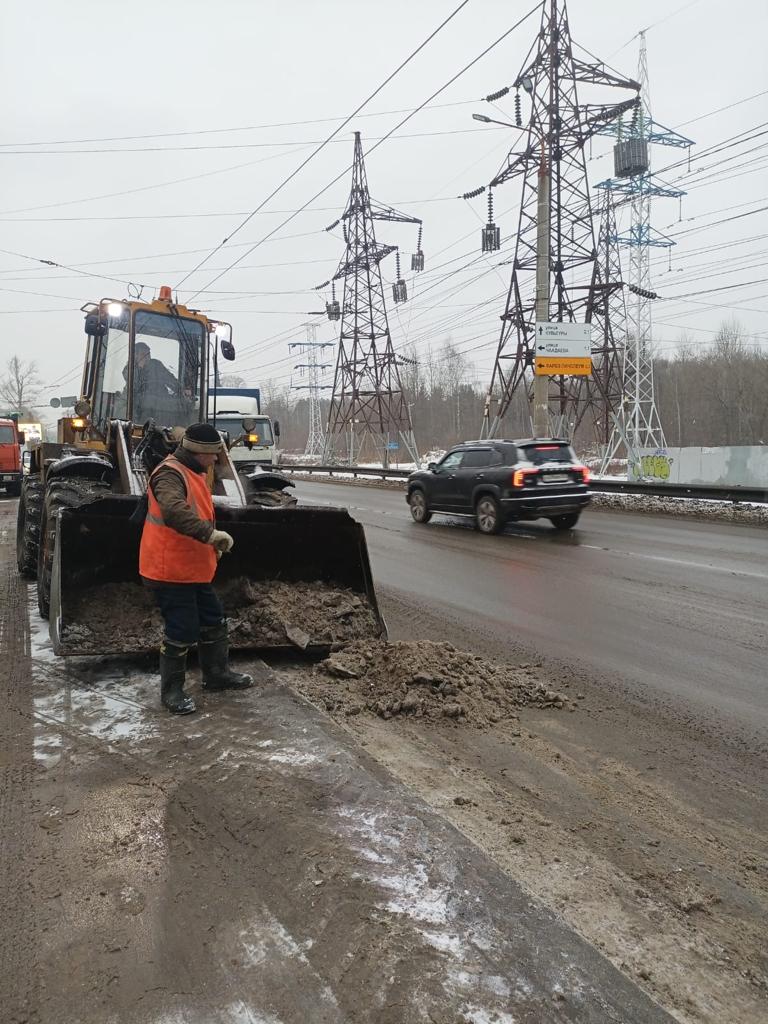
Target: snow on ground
[698, 508]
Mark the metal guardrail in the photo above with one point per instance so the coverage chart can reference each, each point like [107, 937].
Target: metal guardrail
[758, 495]
[704, 492]
[355, 471]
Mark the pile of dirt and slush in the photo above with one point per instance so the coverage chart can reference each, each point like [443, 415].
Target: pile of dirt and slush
[115, 618]
[275, 613]
[424, 679]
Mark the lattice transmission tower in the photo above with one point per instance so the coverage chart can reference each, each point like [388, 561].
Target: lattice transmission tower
[637, 427]
[311, 371]
[368, 407]
[558, 129]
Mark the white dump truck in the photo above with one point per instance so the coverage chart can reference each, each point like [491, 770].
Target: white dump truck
[253, 438]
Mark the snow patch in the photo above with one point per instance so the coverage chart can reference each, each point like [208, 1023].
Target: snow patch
[292, 756]
[479, 1015]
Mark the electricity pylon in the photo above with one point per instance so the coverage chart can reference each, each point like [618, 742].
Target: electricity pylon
[558, 129]
[312, 369]
[637, 426]
[368, 405]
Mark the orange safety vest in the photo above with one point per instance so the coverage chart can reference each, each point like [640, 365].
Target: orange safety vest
[171, 557]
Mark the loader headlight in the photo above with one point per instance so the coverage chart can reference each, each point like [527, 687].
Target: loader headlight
[115, 310]
[253, 438]
[79, 422]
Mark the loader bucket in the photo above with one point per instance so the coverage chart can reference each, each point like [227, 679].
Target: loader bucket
[296, 578]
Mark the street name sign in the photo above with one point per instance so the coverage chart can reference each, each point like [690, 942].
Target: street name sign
[563, 348]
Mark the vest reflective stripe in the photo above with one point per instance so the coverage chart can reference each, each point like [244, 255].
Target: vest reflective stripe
[171, 557]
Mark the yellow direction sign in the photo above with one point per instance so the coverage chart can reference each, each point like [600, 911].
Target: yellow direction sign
[554, 366]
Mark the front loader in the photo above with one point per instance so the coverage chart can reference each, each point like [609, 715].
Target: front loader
[297, 577]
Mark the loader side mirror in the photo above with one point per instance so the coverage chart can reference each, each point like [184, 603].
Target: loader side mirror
[22, 437]
[227, 349]
[277, 429]
[95, 326]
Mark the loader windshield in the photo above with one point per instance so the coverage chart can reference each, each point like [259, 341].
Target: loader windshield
[167, 369]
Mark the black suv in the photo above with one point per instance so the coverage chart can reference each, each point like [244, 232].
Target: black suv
[503, 481]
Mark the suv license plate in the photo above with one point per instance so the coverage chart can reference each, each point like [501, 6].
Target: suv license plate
[556, 478]
[7, 478]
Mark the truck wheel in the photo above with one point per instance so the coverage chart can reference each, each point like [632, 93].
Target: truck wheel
[63, 492]
[566, 522]
[488, 515]
[28, 526]
[419, 508]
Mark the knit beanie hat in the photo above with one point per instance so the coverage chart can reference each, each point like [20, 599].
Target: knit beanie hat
[202, 438]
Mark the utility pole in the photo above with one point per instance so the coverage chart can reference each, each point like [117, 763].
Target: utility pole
[368, 404]
[311, 349]
[541, 426]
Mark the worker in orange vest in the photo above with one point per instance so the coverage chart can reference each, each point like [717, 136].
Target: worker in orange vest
[180, 548]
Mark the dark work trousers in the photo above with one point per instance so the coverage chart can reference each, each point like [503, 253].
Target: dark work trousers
[186, 607]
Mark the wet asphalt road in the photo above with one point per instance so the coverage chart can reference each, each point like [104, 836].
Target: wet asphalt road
[671, 609]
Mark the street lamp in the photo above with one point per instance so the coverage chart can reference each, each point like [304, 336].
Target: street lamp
[489, 120]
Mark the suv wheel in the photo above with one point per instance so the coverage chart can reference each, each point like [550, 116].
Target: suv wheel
[566, 522]
[419, 508]
[488, 514]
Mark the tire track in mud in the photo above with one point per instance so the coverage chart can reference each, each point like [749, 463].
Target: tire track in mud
[18, 946]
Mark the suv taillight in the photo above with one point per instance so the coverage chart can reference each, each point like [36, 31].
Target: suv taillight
[584, 473]
[518, 477]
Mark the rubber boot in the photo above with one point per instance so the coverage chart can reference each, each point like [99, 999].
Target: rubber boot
[173, 670]
[213, 651]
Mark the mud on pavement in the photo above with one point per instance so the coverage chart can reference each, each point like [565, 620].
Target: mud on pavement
[249, 863]
[253, 863]
[644, 826]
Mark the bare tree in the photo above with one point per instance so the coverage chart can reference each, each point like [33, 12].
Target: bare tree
[19, 386]
[232, 380]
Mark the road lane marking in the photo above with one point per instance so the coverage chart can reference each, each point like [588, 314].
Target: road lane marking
[677, 561]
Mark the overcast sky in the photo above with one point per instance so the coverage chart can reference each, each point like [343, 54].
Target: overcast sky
[78, 73]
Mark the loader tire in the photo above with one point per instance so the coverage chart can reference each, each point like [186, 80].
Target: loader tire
[28, 526]
[63, 492]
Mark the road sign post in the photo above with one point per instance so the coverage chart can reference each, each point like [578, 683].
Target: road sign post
[563, 348]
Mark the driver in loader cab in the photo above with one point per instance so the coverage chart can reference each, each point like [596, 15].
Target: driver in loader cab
[180, 548]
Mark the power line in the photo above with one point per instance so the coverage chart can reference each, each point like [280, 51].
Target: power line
[655, 24]
[399, 125]
[722, 288]
[148, 188]
[186, 216]
[238, 145]
[720, 110]
[322, 146]
[220, 131]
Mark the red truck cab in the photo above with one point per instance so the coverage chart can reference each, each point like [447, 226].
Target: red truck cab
[10, 457]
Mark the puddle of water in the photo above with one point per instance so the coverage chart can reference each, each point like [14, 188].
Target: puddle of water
[115, 714]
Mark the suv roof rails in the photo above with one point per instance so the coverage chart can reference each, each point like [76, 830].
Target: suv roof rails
[539, 440]
[485, 440]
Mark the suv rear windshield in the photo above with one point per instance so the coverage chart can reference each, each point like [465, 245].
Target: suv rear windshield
[7, 435]
[538, 454]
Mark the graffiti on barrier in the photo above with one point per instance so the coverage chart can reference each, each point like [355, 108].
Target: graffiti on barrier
[656, 465]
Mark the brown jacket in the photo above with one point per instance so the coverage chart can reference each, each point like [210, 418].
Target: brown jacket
[170, 493]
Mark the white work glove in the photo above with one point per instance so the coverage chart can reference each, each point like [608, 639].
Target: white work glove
[221, 541]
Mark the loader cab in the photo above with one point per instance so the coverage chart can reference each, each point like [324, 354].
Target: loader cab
[145, 361]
